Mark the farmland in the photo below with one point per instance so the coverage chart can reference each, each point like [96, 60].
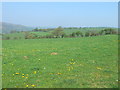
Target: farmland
[88, 62]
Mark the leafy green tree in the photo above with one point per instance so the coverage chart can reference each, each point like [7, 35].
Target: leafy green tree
[73, 34]
[30, 35]
[7, 38]
[58, 32]
[63, 35]
[78, 33]
[36, 29]
[87, 34]
[109, 31]
[93, 33]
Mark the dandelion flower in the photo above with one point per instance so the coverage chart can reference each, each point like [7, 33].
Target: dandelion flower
[17, 73]
[74, 63]
[59, 73]
[70, 62]
[33, 85]
[34, 72]
[23, 76]
[27, 85]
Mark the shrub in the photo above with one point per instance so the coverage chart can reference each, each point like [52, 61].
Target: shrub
[7, 38]
[15, 38]
[73, 34]
[78, 33]
[109, 31]
[87, 34]
[58, 32]
[63, 35]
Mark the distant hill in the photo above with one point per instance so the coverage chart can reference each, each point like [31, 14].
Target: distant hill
[8, 27]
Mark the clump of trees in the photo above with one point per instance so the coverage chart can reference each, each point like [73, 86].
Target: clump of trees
[42, 30]
[108, 31]
[29, 35]
[87, 34]
[5, 38]
[58, 32]
[91, 33]
[76, 34]
[72, 27]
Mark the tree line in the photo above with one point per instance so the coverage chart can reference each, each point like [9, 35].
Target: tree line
[59, 33]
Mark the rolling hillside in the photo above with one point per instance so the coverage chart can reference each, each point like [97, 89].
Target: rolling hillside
[8, 27]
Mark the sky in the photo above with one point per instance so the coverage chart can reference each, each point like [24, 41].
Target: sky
[66, 14]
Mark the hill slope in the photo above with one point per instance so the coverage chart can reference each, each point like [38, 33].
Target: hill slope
[8, 27]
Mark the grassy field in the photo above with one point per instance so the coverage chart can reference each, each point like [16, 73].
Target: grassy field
[12, 35]
[89, 62]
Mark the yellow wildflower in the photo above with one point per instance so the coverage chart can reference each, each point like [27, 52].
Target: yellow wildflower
[74, 63]
[33, 85]
[59, 73]
[17, 73]
[34, 72]
[27, 85]
[70, 62]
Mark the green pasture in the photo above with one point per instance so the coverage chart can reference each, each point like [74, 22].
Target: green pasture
[88, 62]
[13, 35]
